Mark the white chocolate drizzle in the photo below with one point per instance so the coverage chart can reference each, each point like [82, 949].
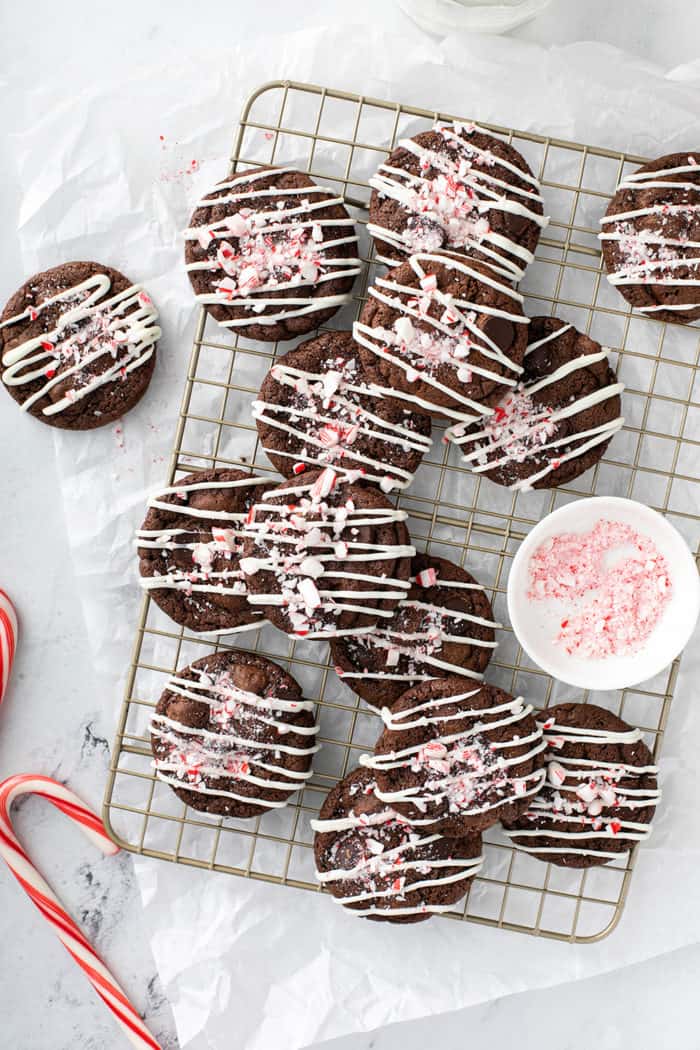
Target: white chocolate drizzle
[273, 251]
[454, 208]
[121, 328]
[196, 758]
[581, 798]
[519, 431]
[649, 257]
[448, 340]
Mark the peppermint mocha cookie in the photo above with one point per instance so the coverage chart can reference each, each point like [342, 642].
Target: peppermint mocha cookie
[189, 547]
[443, 627]
[78, 345]
[456, 758]
[600, 792]
[326, 556]
[559, 420]
[232, 735]
[379, 866]
[459, 189]
[443, 334]
[315, 409]
[651, 238]
[270, 254]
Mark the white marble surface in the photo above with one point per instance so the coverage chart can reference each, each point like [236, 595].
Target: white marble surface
[54, 721]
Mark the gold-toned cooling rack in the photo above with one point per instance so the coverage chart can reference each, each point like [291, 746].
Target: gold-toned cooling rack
[340, 139]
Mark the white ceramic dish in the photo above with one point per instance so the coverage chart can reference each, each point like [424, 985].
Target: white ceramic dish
[534, 622]
[442, 17]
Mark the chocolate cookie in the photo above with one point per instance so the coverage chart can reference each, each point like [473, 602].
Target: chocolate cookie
[329, 555]
[443, 627]
[270, 254]
[378, 865]
[189, 547]
[651, 238]
[458, 759]
[559, 420]
[443, 334]
[460, 189]
[600, 791]
[78, 345]
[315, 407]
[232, 735]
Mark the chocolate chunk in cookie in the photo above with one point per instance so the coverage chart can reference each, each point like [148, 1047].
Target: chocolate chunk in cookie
[78, 345]
[233, 736]
[270, 254]
[600, 792]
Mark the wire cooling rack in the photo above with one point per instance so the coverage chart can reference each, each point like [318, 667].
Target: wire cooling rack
[340, 139]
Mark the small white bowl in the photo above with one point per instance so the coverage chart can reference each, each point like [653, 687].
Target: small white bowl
[534, 622]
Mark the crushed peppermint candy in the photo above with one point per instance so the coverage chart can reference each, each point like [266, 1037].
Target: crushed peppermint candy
[613, 583]
[516, 430]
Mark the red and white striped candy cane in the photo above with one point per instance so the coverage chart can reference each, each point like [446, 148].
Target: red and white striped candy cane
[48, 903]
[9, 630]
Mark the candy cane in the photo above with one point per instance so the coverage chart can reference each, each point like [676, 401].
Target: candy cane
[9, 630]
[49, 905]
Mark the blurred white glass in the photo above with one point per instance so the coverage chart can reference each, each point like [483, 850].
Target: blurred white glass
[477, 16]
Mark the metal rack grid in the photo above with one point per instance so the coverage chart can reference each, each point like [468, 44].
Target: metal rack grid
[340, 139]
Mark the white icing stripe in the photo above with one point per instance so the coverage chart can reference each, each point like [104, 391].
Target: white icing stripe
[202, 789]
[121, 327]
[455, 584]
[455, 205]
[646, 256]
[211, 693]
[586, 793]
[548, 338]
[474, 809]
[232, 738]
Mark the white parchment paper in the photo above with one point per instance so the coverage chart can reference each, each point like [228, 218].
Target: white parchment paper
[112, 175]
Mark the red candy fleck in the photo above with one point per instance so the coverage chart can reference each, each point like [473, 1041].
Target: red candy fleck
[427, 578]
